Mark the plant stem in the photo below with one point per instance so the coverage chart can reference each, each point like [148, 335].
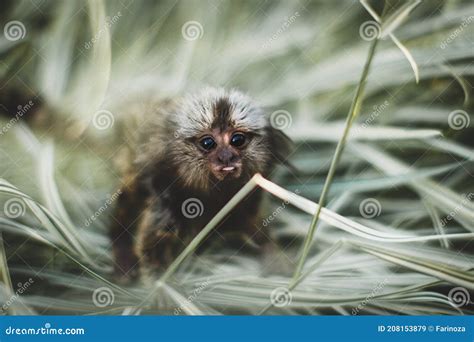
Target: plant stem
[321, 259]
[238, 197]
[353, 113]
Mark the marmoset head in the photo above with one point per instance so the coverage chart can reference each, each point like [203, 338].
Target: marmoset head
[220, 136]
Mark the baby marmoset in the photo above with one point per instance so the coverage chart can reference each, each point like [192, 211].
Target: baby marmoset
[197, 150]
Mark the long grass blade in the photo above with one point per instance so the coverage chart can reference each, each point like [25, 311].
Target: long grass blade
[353, 112]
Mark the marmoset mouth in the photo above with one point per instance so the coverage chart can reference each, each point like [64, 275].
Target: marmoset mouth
[229, 171]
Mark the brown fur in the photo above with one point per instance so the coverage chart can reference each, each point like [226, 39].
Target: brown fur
[171, 167]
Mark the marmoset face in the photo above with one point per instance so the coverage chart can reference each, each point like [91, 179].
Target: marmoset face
[220, 137]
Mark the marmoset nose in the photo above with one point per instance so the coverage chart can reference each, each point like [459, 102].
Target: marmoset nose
[226, 156]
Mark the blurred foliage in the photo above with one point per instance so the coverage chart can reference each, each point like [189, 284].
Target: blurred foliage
[411, 150]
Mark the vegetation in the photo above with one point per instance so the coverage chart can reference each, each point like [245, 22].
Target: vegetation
[377, 99]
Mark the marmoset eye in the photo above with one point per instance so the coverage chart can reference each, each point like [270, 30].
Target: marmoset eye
[237, 140]
[207, 143]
